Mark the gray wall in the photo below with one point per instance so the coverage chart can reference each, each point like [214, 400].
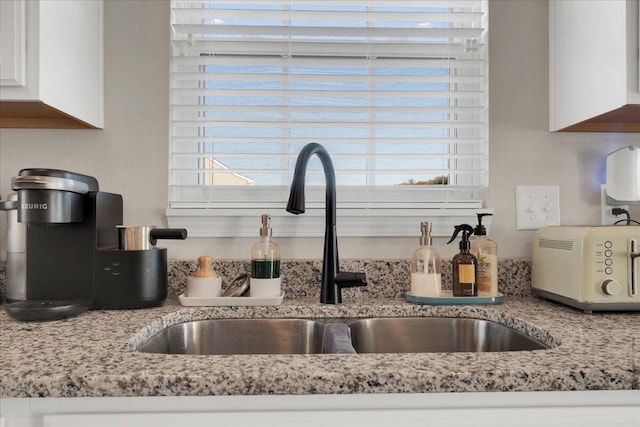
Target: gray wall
[130, 155]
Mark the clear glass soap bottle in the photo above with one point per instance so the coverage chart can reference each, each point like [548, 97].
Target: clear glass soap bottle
[426, 267]
[265, 254]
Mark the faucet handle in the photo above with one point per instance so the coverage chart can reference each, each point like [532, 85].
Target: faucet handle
[333, 294]
[350, 280]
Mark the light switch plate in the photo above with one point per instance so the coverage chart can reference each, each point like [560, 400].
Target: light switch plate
[537, 206]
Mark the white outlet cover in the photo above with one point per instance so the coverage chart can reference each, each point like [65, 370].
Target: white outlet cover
[537, 206]
[607, 215]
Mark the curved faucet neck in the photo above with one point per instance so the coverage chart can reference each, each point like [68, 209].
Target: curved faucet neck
[330, 264]
[297, 200]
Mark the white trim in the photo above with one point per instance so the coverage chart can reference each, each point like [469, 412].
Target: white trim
[243, 222]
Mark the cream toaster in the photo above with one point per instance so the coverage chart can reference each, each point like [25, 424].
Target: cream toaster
[593, 268]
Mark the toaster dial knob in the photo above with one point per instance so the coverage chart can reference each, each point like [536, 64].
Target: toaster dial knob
[611, 287]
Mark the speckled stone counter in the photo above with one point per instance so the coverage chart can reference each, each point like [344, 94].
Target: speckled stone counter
[92, 355]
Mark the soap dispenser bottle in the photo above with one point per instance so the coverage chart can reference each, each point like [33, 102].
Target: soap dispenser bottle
[464, 265]
[426, 266]
[486, 251]
[265, 263]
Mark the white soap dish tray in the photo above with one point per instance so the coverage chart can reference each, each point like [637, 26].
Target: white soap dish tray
[229, 301]
[447, 298]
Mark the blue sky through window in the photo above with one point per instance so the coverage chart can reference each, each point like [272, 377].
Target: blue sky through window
[382, 108]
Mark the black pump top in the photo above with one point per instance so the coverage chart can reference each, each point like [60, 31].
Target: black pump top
[467, 231]
[480, 230]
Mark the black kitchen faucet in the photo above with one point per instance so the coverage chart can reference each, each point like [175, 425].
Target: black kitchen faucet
[332, 279]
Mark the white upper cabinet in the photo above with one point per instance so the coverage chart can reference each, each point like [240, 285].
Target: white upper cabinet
[51, 64]
[12, 43]
[593, 66]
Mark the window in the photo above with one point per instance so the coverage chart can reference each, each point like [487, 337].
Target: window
[395, 90]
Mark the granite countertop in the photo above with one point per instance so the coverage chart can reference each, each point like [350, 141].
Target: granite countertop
[91, 355]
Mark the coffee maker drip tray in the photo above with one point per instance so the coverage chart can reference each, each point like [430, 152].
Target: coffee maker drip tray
[39, 310]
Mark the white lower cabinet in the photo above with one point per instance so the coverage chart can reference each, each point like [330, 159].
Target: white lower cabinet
[593, 408]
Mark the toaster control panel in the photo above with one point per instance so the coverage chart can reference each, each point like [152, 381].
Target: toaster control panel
[607, 254]
[617, 266]
[605, 258]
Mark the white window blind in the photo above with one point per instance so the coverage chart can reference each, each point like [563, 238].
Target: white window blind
[395, 90]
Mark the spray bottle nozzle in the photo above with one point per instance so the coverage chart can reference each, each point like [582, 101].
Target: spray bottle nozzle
[467, 231]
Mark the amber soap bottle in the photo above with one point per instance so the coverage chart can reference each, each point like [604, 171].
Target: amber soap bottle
[465, 265]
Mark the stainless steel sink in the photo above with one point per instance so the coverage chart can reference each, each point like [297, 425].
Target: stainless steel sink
[435, 334]
[238, 336]
[307, 336]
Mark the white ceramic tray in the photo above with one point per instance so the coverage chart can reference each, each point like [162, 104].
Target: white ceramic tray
[447, 298]
[229, 301]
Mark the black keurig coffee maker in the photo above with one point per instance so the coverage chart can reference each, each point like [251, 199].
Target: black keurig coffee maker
[68, 219]
[74, 259]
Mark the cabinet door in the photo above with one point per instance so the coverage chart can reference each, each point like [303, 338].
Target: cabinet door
[12, 43]
[593, 66]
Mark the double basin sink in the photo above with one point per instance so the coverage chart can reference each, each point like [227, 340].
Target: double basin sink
[315, 336]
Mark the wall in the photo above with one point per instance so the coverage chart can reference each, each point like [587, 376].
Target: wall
[130, 155]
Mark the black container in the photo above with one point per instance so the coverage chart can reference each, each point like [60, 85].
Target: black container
[130, 279]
